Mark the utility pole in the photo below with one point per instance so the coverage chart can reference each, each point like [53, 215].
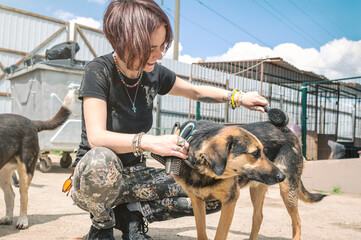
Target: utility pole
[176, 30]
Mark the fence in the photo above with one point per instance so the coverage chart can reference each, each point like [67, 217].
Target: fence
[329, 116]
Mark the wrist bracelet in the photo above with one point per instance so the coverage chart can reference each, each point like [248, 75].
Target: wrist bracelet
[136, 144]
[239, 100]
[236, 98]
[229, 97]
[231, 102]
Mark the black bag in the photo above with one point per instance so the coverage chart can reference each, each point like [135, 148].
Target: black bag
[63, 50]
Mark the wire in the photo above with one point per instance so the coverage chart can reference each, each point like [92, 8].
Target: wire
[205, 29]
[341, 62]
[330, 19]
[313, 20]
[294, 24]
[306, 36]
[235, 25]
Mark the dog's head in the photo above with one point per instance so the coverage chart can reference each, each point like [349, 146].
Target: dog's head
[223, 152]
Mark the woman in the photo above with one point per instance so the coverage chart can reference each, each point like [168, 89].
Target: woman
[118, 89]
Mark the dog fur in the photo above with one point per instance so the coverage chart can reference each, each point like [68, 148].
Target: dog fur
[218, 155]
[283, 148]
[19, 149]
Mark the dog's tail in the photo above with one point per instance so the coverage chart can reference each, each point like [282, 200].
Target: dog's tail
[61, 116]
[308, 197]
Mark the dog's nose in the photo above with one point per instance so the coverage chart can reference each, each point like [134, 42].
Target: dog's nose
[280, 176]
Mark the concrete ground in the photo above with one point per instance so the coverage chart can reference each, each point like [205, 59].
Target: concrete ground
[52, 215]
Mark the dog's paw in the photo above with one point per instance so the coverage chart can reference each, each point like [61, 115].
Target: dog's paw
[22, 223]
[6, 221]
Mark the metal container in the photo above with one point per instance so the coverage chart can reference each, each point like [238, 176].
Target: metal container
[38, 92]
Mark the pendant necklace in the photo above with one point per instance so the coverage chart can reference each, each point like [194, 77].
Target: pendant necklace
[127, 85]
[135, 97]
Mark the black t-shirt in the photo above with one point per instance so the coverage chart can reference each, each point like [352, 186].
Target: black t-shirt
[101, 80]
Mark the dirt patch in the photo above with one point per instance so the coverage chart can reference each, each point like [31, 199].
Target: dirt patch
[52, 215]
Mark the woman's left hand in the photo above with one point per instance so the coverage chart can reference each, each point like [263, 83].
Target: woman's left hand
[254, 101]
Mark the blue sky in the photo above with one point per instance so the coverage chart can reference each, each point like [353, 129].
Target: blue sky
[323, 36]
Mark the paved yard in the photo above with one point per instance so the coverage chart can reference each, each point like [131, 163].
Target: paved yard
[52, 215]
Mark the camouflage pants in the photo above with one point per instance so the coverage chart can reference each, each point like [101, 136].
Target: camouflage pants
[100, 183]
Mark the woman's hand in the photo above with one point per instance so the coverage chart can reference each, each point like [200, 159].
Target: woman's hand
[253, 101]
[166, 145]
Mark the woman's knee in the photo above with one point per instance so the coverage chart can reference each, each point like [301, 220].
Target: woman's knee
[100, 166]
[100, 158]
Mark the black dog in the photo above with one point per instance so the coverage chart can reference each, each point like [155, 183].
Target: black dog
[19, 149]
[283, 148]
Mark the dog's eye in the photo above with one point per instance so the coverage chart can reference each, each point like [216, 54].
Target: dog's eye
[257, 153]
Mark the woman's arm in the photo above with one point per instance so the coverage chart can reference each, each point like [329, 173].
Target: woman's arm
[208, 94]
[99, 136]
[95, 114]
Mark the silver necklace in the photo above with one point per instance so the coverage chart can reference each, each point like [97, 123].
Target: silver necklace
[140, 75]
[135, 97]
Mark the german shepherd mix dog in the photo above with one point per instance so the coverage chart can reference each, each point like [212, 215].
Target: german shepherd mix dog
[19, 149]
[217, 156]
[282, 147]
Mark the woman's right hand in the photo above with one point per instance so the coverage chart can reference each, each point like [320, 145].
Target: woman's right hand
[165, 145]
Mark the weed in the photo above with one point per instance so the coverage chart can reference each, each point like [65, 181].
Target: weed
[57, 152]
[336, 190]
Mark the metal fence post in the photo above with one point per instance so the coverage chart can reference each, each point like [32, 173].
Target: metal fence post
[304, 118]
[198, 115]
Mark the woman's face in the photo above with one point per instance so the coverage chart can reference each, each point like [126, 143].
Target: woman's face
[157, 44]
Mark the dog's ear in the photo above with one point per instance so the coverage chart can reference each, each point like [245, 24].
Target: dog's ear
[216, 153]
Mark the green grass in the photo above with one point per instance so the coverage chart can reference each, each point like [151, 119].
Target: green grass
[336, 190]
[57, 152]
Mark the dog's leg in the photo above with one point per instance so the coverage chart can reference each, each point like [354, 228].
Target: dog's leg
[5, 183]
[199, 211]
[290, 199]
[225, 221]
[25, 180]
[257, 192]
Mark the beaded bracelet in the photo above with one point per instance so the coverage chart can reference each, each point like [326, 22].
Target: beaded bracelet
[230, 96]
[136, 144]
[235, 100]
[238, 99]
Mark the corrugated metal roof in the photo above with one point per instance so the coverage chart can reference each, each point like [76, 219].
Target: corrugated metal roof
[276, 70]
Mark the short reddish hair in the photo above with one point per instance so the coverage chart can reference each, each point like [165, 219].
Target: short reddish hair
[128, 26]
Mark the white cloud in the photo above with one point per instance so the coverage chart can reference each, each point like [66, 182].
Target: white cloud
[98, 1]
[65, 16]
[339, 58]
[90, 22]
[243, 51]
[182, 58]
[70, 17]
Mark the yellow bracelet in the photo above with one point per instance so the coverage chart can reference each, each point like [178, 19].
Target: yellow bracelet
[232, 99]
[236, 97]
